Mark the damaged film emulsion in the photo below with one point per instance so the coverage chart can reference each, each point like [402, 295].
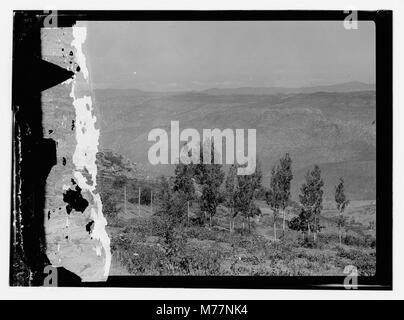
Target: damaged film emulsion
[194, 148]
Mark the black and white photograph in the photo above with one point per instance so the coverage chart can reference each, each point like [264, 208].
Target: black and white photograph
[202, 149]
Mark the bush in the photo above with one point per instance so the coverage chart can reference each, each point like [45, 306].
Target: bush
[330, 238]
[195, 261]
[145, 196]
[308, 242]
[352, 239]
[295, 224]
[174, 208]
[365, 262]
[170, 256]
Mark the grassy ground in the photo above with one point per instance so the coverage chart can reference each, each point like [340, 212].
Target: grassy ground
[142, 245]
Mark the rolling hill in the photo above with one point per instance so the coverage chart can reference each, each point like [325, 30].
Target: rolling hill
[334, 129]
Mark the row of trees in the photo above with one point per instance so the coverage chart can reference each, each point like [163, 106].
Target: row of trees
[310, 198]
[209, 186]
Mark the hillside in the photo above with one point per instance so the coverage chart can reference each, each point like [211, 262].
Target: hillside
[142, 243]
[333, 129]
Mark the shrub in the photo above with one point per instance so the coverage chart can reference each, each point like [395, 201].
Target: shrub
[171, 256]
[352, 239]
[196, 261]
[296, 224]
[365, 262]
[145, 196]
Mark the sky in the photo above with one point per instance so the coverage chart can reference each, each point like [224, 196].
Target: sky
[197, 55]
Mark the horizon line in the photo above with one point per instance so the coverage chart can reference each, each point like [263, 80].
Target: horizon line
[241, 87]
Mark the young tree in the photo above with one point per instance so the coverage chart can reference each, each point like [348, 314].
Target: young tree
[172, 204]
[256, 181]
[274, 194]
[183, 182]
[210, 176]
[164, 191]
[311, 199]
[229, 193]
[257, 178]
[286, 176]
[342, 202]
[278, 194]
[284, 179]
[246, 190]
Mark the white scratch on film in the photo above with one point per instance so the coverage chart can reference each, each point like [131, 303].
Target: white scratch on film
[84, 156]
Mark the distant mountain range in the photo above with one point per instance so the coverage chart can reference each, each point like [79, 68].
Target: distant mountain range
[341, 87]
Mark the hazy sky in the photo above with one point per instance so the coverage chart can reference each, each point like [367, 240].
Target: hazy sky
[173, 56]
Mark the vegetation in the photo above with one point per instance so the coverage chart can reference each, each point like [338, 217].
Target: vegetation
[175, 239]
[245, 194]
[278, 194]
[210, 177]
[311, 201]
[342, 203]
[230, 195]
